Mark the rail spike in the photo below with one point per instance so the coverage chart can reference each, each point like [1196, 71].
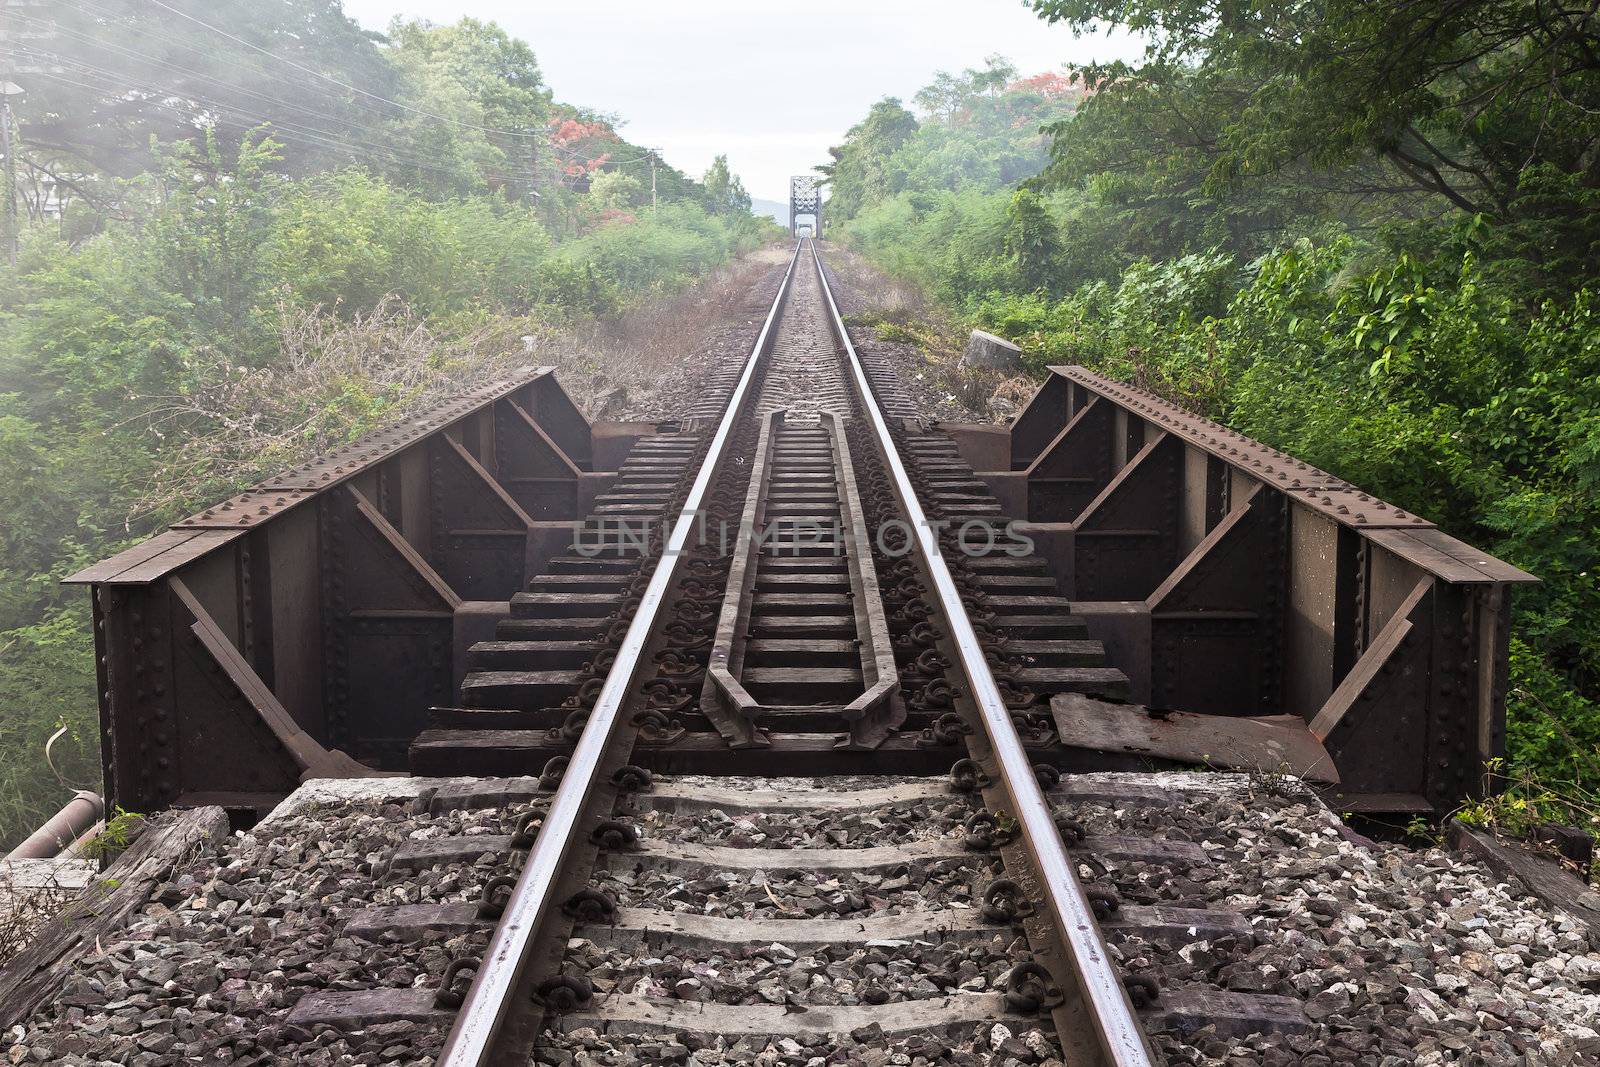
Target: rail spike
[527, 830]
[1105, 902]
[451, 992]
[590, 905]
[615, 835]
[492, 898]
[1004, 902]
[986, 831]
[554, 768]
[566, 993]
[631, 779]
[966, 776]
[1030, 989]
[1143, 989]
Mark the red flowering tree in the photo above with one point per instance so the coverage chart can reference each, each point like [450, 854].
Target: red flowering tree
[580, 147]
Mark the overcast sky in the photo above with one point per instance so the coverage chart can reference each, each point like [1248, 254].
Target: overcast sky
[771, 84]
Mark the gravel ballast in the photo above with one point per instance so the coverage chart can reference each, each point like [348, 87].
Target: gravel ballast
[207, 971]
[1400, 957]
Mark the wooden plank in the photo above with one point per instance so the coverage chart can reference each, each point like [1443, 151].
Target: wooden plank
[1377, 803]
[660, 928]
[1189, 1008]
[36, 974]
[1535, 871]
[478, 793]
[107, 569]
[1142, 850]
[1175, 926]
[1445, 557]
[156, 558]
[357, 1009]
[427, 852]
[448, 752]
[672, 931]
[691, 796]
[803, 676]
[660, 853]
[1271, 744]
[627, 1014]
[1114, 792]
[663, 854]
[412, 922]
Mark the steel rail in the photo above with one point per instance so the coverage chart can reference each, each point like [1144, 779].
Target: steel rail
[1120, 1038]
[471, 1041]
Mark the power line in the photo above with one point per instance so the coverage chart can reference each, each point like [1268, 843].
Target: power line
[119, 82]
[172, 42]
[322, 138]
[326, 138]
[130, 54]
[329, 78]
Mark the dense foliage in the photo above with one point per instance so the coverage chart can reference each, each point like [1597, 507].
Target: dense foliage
[146, 312]
[1355, 231]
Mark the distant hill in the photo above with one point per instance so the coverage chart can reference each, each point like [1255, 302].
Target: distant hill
[778, 210]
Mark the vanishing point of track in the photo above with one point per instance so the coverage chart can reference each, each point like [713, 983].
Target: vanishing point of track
[796, 393]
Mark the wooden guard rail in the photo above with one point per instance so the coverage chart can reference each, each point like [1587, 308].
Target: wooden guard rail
[325, 610]
[1230, 578]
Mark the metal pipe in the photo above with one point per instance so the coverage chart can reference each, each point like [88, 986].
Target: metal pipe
[1120, 1037]
[471, 1040]
[63, 828]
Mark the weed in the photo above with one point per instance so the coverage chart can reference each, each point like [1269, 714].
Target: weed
[1425, 833]
[120, 831]
[1518, 802]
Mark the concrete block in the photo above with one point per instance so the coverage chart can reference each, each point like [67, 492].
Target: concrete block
[992, 353]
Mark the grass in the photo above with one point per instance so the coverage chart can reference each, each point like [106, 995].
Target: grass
[931, 342]
[24, 910]
[1524, 803]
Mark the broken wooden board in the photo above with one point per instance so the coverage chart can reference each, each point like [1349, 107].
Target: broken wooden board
[102, 908]
[1535, 871]
[1270, 744]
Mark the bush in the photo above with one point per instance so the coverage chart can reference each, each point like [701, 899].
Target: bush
[239, 320]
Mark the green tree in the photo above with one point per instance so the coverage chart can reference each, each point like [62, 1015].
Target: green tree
[119, 74]
[725, 193]
[489, 84]
[1032, 241]
[615, 190]
[863, 167]
[1491, 106]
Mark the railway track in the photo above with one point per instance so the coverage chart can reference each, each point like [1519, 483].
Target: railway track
[817, 595]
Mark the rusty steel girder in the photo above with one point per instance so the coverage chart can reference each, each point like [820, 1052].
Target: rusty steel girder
[1227, 577]
[305, 626]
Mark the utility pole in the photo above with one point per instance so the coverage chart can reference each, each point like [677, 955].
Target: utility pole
[8, 145]
[533, 164]
[653, 202]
